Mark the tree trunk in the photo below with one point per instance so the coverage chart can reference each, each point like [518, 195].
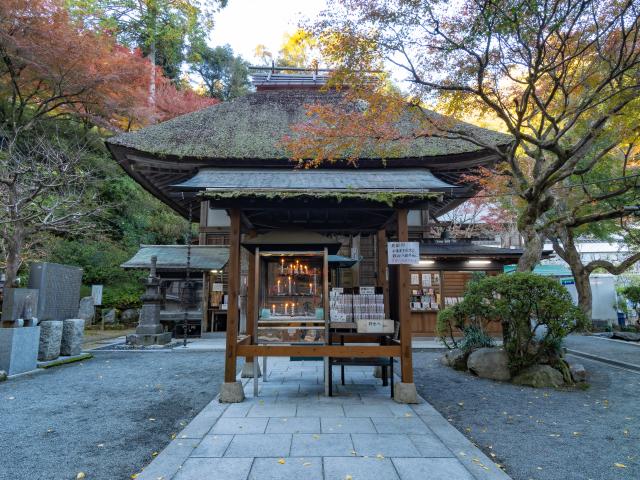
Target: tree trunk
[13, 258]
[533, 245]
[569, 253]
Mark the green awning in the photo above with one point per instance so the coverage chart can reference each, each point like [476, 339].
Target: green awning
[174, 257]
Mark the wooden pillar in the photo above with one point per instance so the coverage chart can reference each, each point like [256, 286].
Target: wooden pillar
[204, 214]
[404, 311]
[234, 291]
[383, 276]
[251, 306]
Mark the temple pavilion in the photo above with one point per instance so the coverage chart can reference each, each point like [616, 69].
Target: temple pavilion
[308, 273]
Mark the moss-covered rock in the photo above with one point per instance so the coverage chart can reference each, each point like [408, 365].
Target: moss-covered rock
[539, 376]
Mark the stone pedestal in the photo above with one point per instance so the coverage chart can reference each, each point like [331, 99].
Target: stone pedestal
[405, 393]
[72, 333]
[19, 349]
[231, 392]
[150, 331]
[247, 370]
[50, 340]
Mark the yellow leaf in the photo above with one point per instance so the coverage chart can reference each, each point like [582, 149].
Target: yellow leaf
[620, 465]
[281, 461]
[348, 477]
[306, 464]
[461, 404]
[135, 475]
[173, 435]
[154, 454]
[379, 456]
[80, 476]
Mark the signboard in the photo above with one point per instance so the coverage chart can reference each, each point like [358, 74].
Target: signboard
[403, 253]
[567, 281]
[367, 290]
[96, 293]
[216, 287]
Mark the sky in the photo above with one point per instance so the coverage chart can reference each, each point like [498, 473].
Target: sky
[243, 24]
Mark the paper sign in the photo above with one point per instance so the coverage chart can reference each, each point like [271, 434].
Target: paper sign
[367, 290]
[403, 253]
[426, 279]
[96, 293]
[415, 279]
[216, 287]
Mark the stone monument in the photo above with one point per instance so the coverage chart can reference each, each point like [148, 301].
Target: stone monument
[59, 290]
[20, 336]
[150, 331]
[72, 333]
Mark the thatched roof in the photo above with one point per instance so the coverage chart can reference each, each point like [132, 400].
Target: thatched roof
[252, 127]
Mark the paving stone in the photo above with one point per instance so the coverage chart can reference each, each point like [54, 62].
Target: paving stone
[293, 468]
[321, 445]
[368, 411]
[320, 410]
[347, 425]
[358, 468]
[430, 446]
[431, 468]
[212, 446]
[293, 425]
[231, 426]
[215, 468]
[238, 409]
[260, 445]
[385, 444]
[273, 410]
[400, 425]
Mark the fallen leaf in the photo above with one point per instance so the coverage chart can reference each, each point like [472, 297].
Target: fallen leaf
[348, 477]
[379, 456]
[154, 454]
[281, 461]
[626, 433]
[101, 445]
[576, 434]
[461, 404]
[620, 465]
[408, 415]
[316, 437]
[80, 476]
[135, 475]
[306, 464]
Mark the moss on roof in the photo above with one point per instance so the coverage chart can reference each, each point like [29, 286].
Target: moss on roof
[252, 126]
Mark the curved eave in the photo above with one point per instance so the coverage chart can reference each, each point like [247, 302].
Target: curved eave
[155, 174]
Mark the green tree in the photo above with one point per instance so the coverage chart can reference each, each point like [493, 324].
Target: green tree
[225, 75]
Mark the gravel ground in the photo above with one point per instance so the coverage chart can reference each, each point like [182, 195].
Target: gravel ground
[616, 350]
[543, 434]
[105, 416]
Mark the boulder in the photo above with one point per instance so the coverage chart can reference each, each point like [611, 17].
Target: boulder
[50, 340]
[72, 333]
[627, 336]
[490, 363]
[3, 376]
[86, 311]
[578, 372]
[455, 358]
[130, 316]
[539, 376]
[110, 317]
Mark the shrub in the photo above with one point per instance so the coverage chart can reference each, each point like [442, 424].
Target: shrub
[122, 297]
[474, 337]
[535, 312]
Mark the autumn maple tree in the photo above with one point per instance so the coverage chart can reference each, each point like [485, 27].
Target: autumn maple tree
[57, 74]
[561, 77]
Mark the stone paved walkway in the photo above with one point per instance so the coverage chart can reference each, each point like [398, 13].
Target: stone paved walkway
[292, 431]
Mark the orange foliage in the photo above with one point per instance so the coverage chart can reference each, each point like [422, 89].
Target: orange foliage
[50, 67]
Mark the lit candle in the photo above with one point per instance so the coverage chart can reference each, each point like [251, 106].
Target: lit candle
[286, 309]
[311, 288]
[282, 265]
[273, 309]
[279, 287]
[293, 309]
[289, 285]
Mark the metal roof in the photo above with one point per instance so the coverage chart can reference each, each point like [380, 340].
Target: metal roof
[174, 257]
[413, 180]
[464, 249]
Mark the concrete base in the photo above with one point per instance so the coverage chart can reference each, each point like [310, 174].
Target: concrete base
[405, 393]
[149, 339]
[247, 370]
[19, 349]
[231, 392]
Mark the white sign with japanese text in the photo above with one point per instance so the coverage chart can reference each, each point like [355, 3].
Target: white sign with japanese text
[403, 253]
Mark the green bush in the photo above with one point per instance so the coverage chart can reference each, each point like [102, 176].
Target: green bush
[122, 297]
[535, 312]
[474, 337]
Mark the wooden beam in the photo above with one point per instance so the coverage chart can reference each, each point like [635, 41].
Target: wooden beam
[339, 351]
[382, 276]
[233, 271]
[204, 213]
[252, 290]
[404, 296]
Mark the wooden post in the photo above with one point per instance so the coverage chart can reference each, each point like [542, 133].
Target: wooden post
[383, 277]
[404, 312]
[234, 290]
[204, 214]
[251, 305]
